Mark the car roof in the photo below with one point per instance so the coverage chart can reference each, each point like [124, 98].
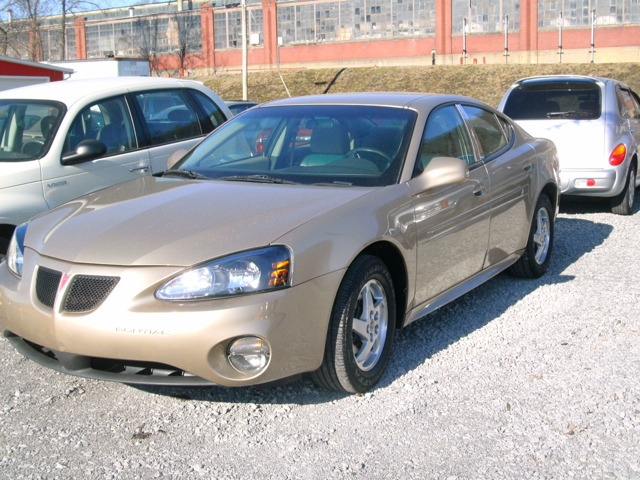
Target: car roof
[552, 78]
[70, 91]
[386, 99]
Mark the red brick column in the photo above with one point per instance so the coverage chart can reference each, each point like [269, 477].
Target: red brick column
[81, 39]
[208, 43]
[529, 25]
[270, 29]
[443, 27]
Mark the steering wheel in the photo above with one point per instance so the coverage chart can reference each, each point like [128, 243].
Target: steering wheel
[381, 159]
[32, 147]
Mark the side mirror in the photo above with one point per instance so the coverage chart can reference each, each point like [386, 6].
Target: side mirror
[440, 171]
[174, 157]
[85, 151]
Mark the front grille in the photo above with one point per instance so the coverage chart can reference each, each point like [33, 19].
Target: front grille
[87, 292]
[47, 282]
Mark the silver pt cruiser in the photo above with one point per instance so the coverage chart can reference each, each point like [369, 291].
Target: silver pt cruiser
[595, 125]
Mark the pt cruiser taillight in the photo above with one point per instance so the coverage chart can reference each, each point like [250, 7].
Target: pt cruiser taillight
[617, 155]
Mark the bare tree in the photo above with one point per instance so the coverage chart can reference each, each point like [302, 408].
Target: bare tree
[147, 35]
[184, 24]
[6, 14]
[72, 7]
[22, 34]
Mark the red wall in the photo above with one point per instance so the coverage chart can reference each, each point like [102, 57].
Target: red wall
[19, 70]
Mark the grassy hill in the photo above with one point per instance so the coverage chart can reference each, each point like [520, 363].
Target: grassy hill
[484, 82]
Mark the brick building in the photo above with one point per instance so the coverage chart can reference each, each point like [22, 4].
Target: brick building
[206, 37]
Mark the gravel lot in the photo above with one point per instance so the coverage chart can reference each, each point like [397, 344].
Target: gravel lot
[517, 379]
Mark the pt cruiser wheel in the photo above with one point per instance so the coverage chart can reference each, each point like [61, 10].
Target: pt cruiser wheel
[622, 204]
[535, 260]
[361, 328]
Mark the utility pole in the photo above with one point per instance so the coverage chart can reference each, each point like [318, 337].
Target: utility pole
[464, 40]
[244, 50]
[593, 27]
[560, 37]
[506, 39]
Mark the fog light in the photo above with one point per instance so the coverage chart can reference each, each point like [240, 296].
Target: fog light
[249, 355]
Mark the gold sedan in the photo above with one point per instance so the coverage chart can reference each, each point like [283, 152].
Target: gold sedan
[295, 239]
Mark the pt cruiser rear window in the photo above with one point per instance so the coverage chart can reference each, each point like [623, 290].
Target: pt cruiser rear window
[553, 100]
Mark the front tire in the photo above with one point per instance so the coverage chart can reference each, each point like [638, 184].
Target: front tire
[535, 260]
[622, 204]
[361, 329]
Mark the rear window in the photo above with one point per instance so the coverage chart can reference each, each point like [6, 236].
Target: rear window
[577, 100]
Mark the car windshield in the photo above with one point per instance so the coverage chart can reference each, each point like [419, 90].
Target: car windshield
[27, 128]
[554, 100]
[309, 144]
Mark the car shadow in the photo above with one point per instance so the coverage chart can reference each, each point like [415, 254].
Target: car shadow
[426, 337]
[586, 205]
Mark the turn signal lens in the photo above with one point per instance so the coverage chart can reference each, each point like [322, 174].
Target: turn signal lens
[618, 155]
[279, 273]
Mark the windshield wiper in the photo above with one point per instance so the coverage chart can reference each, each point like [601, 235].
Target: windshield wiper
[567, 114]
[257, 179]
[334, 184]
[186, 173]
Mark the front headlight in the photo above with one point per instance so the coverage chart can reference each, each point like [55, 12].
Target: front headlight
[254, 271]
[15, 254]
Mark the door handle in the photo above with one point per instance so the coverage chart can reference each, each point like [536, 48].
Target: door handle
[528, 167]
[143, 168]
[633, 130]
[479, 190]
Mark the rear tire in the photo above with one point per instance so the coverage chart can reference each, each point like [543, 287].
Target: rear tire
[622, 204]
[361, 329]
[535, 260]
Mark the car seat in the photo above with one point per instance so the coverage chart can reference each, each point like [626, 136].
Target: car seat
[114, 134]
[328, 143]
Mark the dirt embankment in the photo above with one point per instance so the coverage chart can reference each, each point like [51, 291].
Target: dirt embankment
[484, 82]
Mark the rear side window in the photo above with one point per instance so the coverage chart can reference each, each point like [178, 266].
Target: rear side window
[168, 116]
[215, 115]
[626, 104]
[554, 100]
[488, 130]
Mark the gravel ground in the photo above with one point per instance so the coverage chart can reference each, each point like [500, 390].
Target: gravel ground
[517, 379]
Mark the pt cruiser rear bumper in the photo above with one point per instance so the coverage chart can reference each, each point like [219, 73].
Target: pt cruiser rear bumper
[593, 183]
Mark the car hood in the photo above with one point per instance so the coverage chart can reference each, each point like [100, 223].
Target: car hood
[165, 221]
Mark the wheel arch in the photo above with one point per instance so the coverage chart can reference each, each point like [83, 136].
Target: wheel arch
[552, 191]
[634, 162]
[393, 259]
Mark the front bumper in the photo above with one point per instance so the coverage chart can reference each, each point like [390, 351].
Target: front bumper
[606, 183]
[162, 342]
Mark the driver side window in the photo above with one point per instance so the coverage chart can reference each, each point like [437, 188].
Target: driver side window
[445, 136]
[107, 121]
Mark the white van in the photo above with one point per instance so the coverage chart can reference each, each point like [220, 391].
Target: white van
[61, 140]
